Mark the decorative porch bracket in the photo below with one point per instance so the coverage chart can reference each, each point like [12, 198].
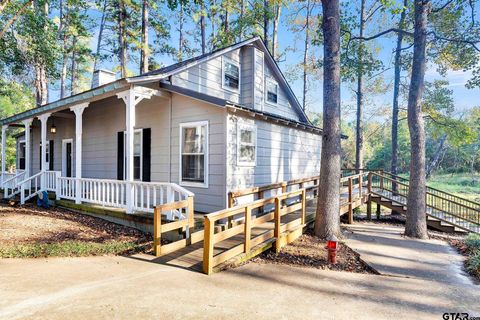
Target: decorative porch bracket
[78, 110]
[131, 98]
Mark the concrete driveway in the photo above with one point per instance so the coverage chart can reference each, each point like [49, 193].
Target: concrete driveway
[134, 288]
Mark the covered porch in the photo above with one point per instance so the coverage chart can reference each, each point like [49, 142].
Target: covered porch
[94, 148]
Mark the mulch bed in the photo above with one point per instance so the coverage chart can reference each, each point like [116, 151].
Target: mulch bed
[29, 225]
[309, 251]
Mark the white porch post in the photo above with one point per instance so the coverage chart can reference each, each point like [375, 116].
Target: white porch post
[131, 98]
[27, 123]
[78, 110]
[43, 119]
[4, 141]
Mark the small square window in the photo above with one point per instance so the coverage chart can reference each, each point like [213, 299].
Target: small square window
[272, 91]
[231, 74]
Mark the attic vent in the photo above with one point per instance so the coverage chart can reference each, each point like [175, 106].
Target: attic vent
[101, 77]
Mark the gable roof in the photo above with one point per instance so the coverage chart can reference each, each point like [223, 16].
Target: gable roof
[157, 75]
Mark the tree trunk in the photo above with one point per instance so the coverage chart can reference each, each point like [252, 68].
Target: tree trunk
[396, 93]
[180, 34]
[359, 126]
[100, 36]
[63, 73]
[242, 14]
[278, 11]
[145, 52]
[436, 157]
[305, 56]
[122, 38]
[202, 27]
[14, 18]
[416, 223]
[266, 22]
[327, 220]
[73, 70]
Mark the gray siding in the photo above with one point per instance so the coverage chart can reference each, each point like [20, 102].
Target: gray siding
[188, 110]
[207, 78]
[283, 107]
[283, 153]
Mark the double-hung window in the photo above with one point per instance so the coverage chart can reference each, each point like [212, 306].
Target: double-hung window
[231, 74]
[137, 154]
[246, 144]
[194, 154]
[272, 91]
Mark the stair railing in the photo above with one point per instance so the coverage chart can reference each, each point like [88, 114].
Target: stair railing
[452, 207]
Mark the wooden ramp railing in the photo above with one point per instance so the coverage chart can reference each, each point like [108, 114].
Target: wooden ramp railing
[269, 225]
[276, 214]
[451, 209]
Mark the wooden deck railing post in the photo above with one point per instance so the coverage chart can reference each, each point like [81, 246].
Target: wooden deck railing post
[191, 212]
[208, 247]
[360, 186]
[304, 205]
[248, 228]
[284, 187]
[157, 231]
[277, 217]
[381, 179]
[369, 201]
[230, 199]
[350, 200]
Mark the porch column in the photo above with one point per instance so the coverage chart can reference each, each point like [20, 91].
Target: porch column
[78, 110]
[27, 123]
[131, 98]
[4, 141]
[43, 133]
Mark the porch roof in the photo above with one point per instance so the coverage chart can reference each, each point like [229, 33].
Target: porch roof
[89, 95]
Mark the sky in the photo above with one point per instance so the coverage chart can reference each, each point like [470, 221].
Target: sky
[463, 98]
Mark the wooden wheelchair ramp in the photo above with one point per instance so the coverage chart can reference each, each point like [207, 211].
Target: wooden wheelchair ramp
[272, 216]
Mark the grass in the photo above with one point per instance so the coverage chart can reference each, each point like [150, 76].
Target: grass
[463, 185]
[71, 248]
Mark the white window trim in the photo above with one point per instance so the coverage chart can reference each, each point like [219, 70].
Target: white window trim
[18, 151]
[205, 158]
[252, 127]
[64, 154]
[48, 156]
[224, 60]
[125, 154]
[268, 79]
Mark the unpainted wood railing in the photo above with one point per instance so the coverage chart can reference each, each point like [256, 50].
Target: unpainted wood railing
[451, 205]
[283, 232]
[185, 222]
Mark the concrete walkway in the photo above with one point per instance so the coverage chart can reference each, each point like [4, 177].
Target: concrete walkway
[385, 249]
[134, 288]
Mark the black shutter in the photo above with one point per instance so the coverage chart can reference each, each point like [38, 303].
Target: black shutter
[120, 155]
[51, 155]
[40, 153]
[147, 152]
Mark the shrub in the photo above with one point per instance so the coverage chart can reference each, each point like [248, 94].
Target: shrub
[473, 242]
[473, 264]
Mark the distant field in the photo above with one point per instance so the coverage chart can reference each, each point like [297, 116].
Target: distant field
[463, 185]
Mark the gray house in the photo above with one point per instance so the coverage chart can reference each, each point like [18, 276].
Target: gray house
[205, 126]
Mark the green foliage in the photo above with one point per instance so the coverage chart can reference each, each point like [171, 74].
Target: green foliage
[473, 264]
[473, 241]
[70, 248]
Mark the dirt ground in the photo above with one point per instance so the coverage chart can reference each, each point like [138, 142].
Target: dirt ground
[309, 251]
[29, 224]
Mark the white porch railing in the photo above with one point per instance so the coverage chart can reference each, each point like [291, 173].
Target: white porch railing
[11, 186]
[113, 193]
[30, 187]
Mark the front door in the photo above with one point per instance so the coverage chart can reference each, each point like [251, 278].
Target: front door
[67, 158]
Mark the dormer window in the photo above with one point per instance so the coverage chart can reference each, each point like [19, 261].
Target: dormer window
[272, 91]
[231, 74]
